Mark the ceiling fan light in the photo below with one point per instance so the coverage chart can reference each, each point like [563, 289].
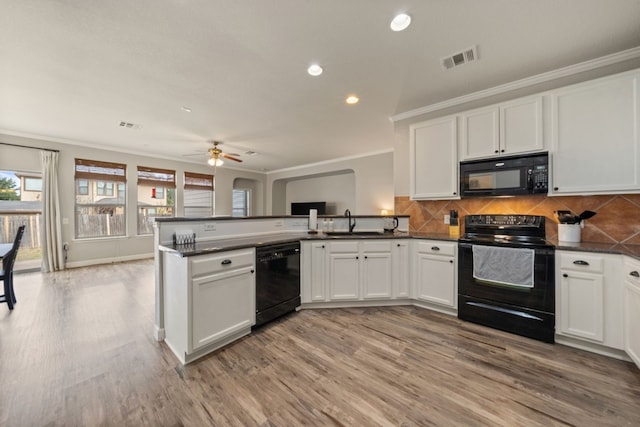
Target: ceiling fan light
[400, 22]
[219, 162]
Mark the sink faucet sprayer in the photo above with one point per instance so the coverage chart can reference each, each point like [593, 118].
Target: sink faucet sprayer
[347, 213]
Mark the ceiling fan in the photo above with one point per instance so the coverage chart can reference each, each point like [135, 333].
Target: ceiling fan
[216, 155]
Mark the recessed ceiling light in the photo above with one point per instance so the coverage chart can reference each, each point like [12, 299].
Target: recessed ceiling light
[186, 109]
[400, 22]
[352, 99]
[314, 70]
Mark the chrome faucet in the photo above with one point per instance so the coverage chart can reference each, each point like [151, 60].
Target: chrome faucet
[347, 213]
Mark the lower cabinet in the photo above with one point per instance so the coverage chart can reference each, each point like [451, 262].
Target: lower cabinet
[435, 273]
[209, 301]
[589, 297]
[632, 310]
[354, 270]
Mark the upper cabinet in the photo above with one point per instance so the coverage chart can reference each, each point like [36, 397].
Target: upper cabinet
[508, 128]
[434, 159]
[595, 136]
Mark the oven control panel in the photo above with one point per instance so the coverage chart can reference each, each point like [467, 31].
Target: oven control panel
[509, 220]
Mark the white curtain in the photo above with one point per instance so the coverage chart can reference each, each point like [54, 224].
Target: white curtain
[52, 254]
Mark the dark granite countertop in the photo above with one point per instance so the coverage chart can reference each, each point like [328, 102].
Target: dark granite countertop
[228, 217]
[213, 246]
[606, 248]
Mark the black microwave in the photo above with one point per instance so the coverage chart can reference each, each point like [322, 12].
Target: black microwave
[505, 176]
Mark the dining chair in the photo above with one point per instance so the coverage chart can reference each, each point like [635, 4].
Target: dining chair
[6, 273]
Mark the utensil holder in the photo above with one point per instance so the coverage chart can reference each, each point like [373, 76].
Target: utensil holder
[569, 233]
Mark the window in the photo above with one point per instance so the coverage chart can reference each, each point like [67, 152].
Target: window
[98, 212]
[159, 192]
[33, 184]
[104, 188]
[149, 204]
[240, 203]
[82, 187]
[198, 195]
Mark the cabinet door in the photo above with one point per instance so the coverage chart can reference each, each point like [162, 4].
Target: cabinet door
[595, 138]
[376, 275]
[435, 279]
[521, 126]
[314, 272]
[344, 275]
[480, 133]
[632, 320]
[581, 305]
[400, 261]
[221, 305]
[434, 160]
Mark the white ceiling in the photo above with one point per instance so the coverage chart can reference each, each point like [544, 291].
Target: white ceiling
[72, 70]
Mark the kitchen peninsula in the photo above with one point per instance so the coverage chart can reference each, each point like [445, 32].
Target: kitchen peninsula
[197, 257]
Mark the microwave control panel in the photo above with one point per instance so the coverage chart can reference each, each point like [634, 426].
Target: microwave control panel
[539, 178]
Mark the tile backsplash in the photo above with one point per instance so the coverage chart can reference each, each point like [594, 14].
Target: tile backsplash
[617, 217]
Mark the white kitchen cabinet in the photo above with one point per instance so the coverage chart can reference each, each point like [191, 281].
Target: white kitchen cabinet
[344, 270]
[400, 267]
[595, 138]
[314, 271]
[434, 159]
[360, 269]
[435, 272]
[354, 270]
[209, 301]
[377, 269]
[508, 128]
[589, 297]
[632, 309]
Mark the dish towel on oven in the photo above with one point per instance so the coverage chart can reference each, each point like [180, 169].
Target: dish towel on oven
[508, 266]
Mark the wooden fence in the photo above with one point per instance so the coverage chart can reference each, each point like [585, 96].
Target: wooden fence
[9, 224]
[100, 225]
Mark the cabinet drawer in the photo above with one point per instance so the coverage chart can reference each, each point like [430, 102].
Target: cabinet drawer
[214, 263]
[377, 246]
[581, 262]
[437, 248]
[344, 247]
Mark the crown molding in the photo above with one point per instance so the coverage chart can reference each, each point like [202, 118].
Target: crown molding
[327, 162]
[570, 70]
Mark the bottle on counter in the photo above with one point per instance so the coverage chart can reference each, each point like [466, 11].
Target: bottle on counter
[331, 228]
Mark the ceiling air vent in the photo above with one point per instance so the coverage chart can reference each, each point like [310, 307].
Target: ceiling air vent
[129, 125]
[460, 58]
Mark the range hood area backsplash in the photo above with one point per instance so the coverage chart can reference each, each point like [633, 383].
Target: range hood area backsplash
[617, 219]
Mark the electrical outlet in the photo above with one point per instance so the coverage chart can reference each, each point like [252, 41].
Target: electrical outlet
[279, 223]
[210, 226]
[447, 219]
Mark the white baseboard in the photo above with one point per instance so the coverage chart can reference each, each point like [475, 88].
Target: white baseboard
[99, 261]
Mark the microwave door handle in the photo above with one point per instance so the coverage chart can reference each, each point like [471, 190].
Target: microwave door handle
[530, 179]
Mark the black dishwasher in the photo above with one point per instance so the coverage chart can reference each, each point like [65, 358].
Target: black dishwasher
[277, 281]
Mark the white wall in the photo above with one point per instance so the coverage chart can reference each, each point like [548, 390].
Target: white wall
[373, 182]
[339, 191]
[131, 246]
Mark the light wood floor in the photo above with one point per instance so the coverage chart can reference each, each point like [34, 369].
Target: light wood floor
[78, 351]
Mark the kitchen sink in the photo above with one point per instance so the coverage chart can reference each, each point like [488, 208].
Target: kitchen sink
[354, 233]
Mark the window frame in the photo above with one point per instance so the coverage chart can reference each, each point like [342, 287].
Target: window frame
[198, 182]
[149, 177]
[92, 172]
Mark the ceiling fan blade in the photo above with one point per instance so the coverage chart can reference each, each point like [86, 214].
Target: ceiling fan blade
[194, 154]
[226, 156]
